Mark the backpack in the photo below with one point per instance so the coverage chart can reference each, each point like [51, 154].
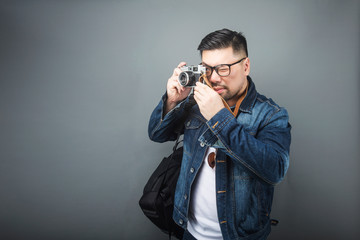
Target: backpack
[157, 201]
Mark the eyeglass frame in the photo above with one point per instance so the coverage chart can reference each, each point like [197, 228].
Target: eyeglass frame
[217, 67]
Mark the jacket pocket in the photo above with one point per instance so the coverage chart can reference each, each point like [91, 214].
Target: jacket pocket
[193, 124]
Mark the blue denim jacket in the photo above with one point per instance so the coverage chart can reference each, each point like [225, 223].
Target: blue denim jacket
[252, 157]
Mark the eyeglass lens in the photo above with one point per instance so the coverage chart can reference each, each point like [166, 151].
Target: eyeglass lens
[222, 70]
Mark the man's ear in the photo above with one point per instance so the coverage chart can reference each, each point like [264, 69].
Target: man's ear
[247, 66]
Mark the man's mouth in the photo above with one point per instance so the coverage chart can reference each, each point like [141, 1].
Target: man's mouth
[219, 89]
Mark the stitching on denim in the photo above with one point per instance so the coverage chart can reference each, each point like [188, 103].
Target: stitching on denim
[201, 118]
[211, 140]
[233, 193]
[221, 125]
[213, 126]
[193, 126]
[268, 119]
[277, 109]
[156, 128]
[268, 102]
[162, 116]
[258, 193]
[181, 216]
[243, 178]
[225, 122]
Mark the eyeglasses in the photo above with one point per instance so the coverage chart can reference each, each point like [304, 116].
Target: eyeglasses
[222, 70]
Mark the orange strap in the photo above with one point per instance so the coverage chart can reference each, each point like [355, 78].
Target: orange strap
[237, 106]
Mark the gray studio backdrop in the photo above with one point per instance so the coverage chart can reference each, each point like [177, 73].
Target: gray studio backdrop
[79, 79]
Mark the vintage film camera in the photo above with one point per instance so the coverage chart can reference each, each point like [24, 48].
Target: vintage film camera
[190, 75]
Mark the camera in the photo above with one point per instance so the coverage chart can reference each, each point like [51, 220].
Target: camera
[190, 75]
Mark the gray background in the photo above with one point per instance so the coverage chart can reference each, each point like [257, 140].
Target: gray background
[79, 79]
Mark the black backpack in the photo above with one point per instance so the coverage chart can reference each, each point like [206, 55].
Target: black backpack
[157, 201]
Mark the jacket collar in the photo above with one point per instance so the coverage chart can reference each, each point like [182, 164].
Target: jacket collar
[249, 100]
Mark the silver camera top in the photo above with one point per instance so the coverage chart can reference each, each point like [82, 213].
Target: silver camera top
[194, 68]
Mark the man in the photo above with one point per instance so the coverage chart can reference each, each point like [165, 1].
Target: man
[233, 156]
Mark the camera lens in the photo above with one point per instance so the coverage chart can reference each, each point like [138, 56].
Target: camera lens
[187, 79]
[183, 79]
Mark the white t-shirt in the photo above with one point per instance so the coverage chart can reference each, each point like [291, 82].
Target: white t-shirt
[203, 218]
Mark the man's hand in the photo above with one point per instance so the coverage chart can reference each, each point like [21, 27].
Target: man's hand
[175, 92]
[208, 100]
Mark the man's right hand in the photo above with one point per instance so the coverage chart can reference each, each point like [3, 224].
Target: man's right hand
[175, 92]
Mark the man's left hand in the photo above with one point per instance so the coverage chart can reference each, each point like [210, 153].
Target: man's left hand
[208, 100]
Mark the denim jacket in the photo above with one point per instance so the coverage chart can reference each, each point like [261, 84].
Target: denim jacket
[252, 157]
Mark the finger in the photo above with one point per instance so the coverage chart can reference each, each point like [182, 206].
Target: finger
[199, 91]
[199, 102]
[176, 85]
[177, 70]
[204, 86]
[196, 92]
[201, 86]
[180, 88]
[175, 80]
[206, 90]
[181, 64]
[197, 99]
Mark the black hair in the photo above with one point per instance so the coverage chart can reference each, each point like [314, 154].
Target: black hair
[222, 39]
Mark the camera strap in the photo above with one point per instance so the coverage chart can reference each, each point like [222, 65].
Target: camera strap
[237, 106]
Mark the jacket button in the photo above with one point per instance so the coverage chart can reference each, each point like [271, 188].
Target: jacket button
[192, 170]
[202, 144]
[188, 123]
[185, 196]
[181, 222]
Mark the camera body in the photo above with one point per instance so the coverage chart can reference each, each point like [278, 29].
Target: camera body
[190, 75]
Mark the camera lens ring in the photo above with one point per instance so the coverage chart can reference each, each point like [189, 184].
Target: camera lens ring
[183, 78]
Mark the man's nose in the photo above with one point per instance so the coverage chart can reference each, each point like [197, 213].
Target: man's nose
[214, 77]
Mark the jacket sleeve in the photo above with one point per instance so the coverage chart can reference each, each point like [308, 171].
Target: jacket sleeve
[266, 153]
[162, 128]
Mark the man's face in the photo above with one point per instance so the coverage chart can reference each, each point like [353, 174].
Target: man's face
[232, 86]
